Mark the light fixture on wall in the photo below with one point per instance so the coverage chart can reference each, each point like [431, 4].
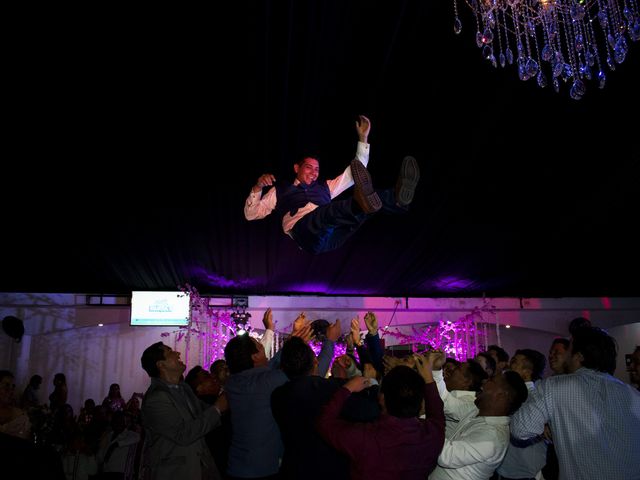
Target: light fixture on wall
[240, 315]
[241, 319]
[551, 40]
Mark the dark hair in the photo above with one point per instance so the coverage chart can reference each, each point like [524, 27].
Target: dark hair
[490, 360]
[238, 353]
[501, 353]
[319, 328]
[296, 359]
[518, 389]
[451, 360]
[215, 365]
[60, 376]
[598, 349]
[561, 341]
[152, 355]
[477, 374]
[579, 322]
[35, 380]
[6, 373]
[306, 155]
[192, 377]
[403, 390]
[537, 362]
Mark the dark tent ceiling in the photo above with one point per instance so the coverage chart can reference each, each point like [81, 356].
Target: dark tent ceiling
[133, 144]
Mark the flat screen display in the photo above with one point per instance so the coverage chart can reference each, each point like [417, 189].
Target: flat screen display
[159, 308]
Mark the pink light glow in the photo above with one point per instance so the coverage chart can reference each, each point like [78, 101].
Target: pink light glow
[459, 339]
[339, 349]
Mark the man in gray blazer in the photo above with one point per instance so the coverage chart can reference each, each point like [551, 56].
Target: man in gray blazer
[175, 420]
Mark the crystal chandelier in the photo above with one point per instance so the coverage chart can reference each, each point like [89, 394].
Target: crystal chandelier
[571, 40]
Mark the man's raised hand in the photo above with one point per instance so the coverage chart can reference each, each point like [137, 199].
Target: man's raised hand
[363, 126]
[371, 322]
[267, 320]
[264, 181]
[333, 331]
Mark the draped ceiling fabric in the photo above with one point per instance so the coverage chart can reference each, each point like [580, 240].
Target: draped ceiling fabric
[136, 143]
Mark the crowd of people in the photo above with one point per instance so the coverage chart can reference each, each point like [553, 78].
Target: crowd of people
[361, 415]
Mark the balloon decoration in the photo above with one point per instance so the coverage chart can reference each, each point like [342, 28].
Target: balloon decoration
[13, 327]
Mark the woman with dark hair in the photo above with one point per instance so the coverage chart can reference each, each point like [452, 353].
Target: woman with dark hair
[58, 397]
[114, 401]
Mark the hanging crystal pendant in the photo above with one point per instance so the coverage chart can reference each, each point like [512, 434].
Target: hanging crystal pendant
[457, 26]
[487, 36]
[532, 68]
[589, 58]
[487, 52]
[620, 50]
[602, 79]
[542, 80]
[558, 67]
[509, 54]
[585, 71]
[522, 69]
[577, 90]
[634, 31]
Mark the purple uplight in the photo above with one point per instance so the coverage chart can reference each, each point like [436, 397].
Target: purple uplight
[451, 283]
[310, 288]
[216, 280]
[324, 289]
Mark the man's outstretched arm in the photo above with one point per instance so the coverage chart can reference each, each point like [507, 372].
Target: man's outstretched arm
[258, 206]
[345, 180]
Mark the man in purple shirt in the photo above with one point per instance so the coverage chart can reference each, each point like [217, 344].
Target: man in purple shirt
[398, 444]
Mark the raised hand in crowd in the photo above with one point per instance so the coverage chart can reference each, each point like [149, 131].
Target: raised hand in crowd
[302, 328]
[267, 320]
[424, 365]
[435, 358]
[355, 331]
[334, 331]
[300, 321]
[371, 322]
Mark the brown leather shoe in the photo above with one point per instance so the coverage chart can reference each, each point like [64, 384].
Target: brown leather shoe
[364, 194]
[407, 181]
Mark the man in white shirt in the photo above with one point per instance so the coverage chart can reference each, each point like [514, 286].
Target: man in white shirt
[309, 214]
[479, 442]
[464, 382]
